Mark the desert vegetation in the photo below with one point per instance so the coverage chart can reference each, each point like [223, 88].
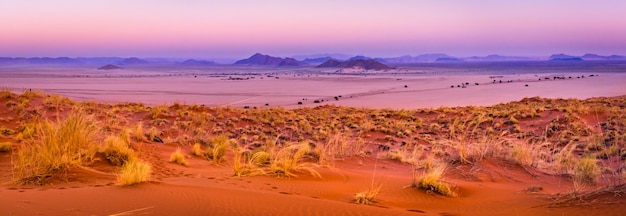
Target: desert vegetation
[582, 139]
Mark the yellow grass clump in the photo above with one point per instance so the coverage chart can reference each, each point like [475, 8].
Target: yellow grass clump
[125, 136]
[251, 166]
[218, 148]
[368, 197]
[431, 181]
[5, 93]
[56, 147]
[28, 130]
[178, 157]
[134, 172]
[196, 150]
[586, 170]
[117, 151]
[5, 146]
[287, 161]
[526, 154]
[138, 133]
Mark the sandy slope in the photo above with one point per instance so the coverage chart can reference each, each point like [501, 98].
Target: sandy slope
[494, 190]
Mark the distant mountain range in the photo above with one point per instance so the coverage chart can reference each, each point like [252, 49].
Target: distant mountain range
[337, 56]
[497, 58]
[261, 59]
[266, 60]
[563, 57]
[367, 64]
[193, 62]
[316, 60]
[589, 56]
[110, 67]
[586, 57]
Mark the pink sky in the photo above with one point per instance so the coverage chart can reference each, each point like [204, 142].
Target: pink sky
[239, 28]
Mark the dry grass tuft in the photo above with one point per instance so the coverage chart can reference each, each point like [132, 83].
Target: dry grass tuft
[431, 181]
[251, 166]
[196, 150]
[287, 163]
[526, 154]
[125, 136]
[368, 197]
[178, 157]
[5, 146]
[585, 171]
[218, 148]
[5, 93]
[117, 151]
[55, 148]
[134, 172]
[138, 133]
[28, 130]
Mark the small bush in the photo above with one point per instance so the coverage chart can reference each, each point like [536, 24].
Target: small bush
[197, 150]
[56, 147]
[586, 170]
[525, 154]
[367, 197]
[5, 146]
[401, 156]
[153, 134]
[178, 157]
[134, 172]
[116, 150]
[219, 146]
[6, 93]
[431, 181]
[6, 131]
[260, 158]
[138, 132]
[125, 136]
[27, 132]
[287, 161]
[251, 167]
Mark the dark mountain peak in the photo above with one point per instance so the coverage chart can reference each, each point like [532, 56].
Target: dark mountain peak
[330, 63]
[591, 56]
[359, 63]
[260, 59]
[448, 59]
[316, 60]
[360, 57]
[133, 61]
[497, 58]
[289, 62]
[193, 62]
[564, 57]
[109, 67]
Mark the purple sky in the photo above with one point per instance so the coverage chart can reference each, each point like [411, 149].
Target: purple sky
[239, 28]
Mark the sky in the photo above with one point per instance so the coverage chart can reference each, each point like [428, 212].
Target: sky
[378, 28]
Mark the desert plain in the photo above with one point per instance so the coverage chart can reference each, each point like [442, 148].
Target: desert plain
[433, 139]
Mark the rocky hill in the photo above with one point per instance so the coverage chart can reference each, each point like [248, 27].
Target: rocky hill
[260, 59]
[360, 63]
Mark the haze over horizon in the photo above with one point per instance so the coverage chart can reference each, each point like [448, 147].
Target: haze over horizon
[240, 28]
